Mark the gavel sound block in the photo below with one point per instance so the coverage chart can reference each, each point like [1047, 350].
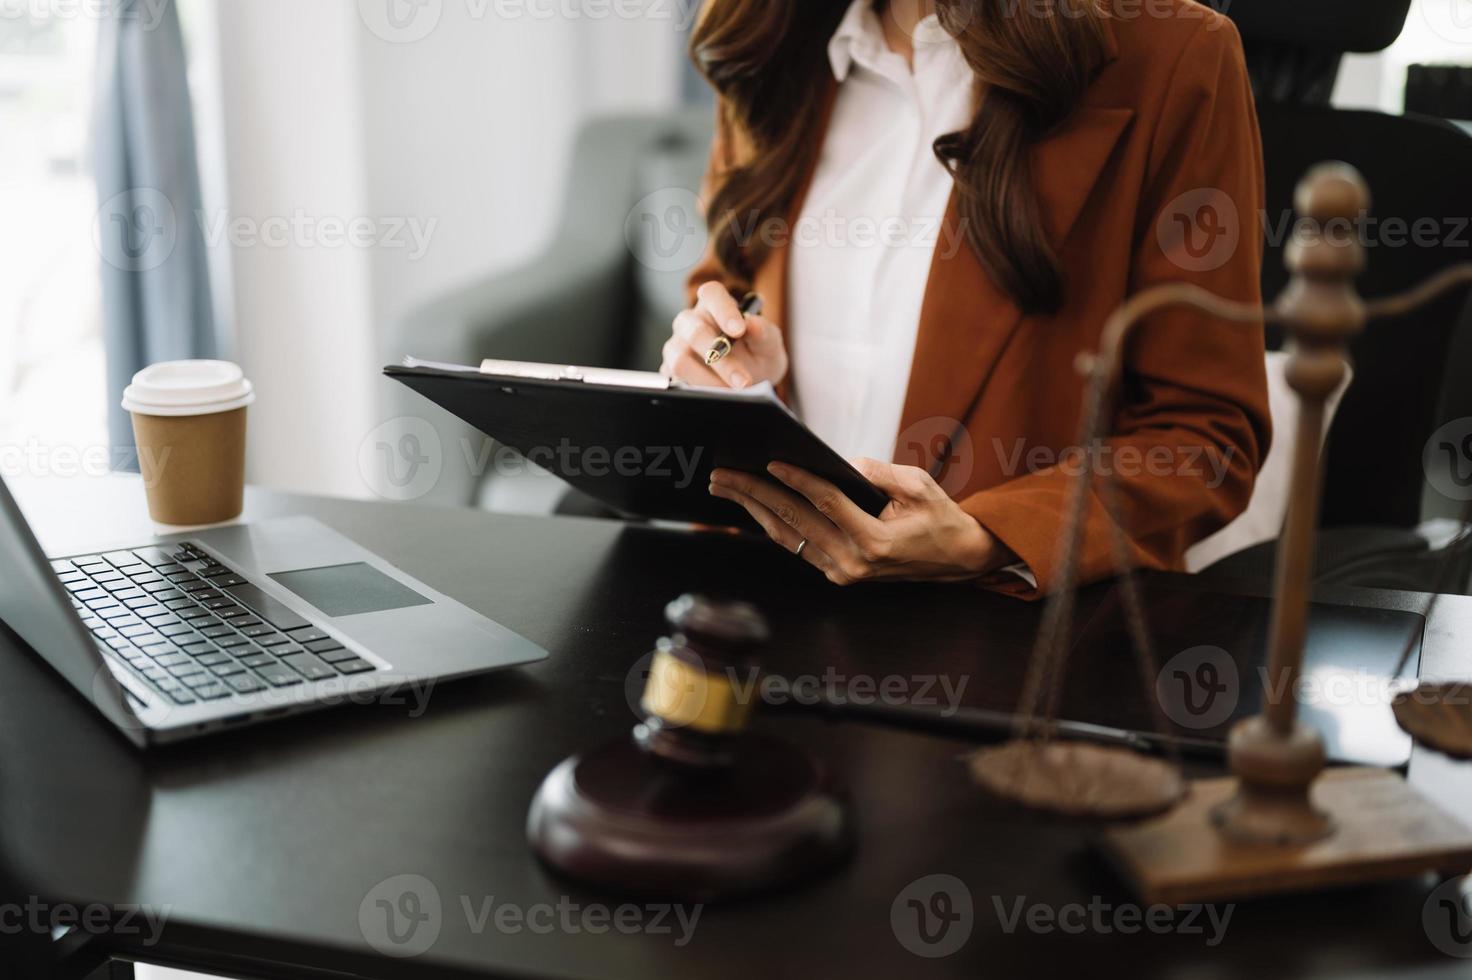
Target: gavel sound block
[693, 807]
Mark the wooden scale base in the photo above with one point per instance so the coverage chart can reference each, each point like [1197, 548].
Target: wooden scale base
[1384, 829]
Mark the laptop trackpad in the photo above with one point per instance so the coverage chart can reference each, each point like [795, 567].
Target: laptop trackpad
[349, 590]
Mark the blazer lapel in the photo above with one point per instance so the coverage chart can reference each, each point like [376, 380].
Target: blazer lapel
[967, 321]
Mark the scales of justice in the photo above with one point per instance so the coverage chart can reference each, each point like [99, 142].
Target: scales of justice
[693, 806]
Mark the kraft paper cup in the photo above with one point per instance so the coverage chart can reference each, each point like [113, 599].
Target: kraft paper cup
[189, 424]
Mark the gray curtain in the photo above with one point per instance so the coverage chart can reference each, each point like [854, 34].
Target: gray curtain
[156, 302]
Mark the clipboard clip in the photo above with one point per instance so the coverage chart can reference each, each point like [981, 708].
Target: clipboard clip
[575, 374]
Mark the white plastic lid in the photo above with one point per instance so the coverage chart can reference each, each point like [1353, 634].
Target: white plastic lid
[175, 388]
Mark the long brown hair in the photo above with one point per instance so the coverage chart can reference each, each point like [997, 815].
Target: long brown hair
[1033, 59]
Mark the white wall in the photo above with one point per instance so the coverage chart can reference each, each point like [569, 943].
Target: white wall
[457, 117]
[471, 126]
[293, 144]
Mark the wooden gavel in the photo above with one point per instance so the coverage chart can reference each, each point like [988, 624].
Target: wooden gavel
[694, 806]
[698, 806]
[693, 707]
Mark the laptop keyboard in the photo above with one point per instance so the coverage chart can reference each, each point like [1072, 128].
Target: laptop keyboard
[194, 629]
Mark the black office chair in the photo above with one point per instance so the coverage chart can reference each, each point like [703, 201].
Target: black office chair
[1410, 372]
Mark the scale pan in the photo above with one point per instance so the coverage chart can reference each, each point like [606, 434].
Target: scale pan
[1078, 779]
[1438, 716]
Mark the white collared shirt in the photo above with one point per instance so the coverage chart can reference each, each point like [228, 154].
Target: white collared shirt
[863, 245]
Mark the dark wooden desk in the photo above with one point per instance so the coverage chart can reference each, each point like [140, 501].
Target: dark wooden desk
[263, 844]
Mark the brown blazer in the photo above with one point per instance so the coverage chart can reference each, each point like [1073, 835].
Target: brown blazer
[1167, 127]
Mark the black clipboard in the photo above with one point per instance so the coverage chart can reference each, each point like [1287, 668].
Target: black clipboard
[645, 449]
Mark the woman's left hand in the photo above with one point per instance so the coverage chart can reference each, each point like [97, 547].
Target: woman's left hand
[922, 535]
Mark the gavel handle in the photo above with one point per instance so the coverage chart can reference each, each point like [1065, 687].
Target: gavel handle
[978, 725]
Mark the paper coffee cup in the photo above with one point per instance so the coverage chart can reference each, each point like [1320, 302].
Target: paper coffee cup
[189, 424]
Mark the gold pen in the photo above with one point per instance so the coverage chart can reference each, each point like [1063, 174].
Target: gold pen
[751, 305]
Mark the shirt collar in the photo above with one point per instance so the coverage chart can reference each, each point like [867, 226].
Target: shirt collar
[929, 33]
[859, 30]
[860, 37]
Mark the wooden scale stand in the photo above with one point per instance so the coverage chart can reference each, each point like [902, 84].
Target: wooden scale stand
[695, 807]
[1281, 822]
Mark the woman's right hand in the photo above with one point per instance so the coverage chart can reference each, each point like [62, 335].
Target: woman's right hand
[758, 352]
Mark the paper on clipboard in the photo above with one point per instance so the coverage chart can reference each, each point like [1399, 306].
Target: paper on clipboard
[612, 377]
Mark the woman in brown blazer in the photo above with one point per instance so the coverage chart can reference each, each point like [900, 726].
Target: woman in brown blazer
[1087, 149]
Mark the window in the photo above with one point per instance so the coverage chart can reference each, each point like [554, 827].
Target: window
[52, 386]
[1437, 32]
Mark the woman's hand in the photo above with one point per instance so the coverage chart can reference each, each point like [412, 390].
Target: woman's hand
[922, 535]
[761, 354]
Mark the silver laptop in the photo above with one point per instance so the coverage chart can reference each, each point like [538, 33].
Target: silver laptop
[199, 632]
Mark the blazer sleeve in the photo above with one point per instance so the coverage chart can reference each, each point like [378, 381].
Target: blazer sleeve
[1191, 427]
